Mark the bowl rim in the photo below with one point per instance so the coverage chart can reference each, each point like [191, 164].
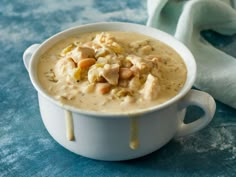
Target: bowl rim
[117, 26]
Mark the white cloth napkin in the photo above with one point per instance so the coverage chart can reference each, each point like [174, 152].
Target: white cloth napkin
[185, 20]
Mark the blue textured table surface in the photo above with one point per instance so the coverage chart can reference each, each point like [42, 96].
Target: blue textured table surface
[26, 148]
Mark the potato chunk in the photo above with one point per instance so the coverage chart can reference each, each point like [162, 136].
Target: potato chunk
[111, 73]
[64, 67]
[94, 74]
[151, 88]
[82, 53]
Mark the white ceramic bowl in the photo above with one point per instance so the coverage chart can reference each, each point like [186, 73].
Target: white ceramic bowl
[119, 136]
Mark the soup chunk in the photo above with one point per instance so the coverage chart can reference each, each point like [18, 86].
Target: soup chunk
[111, 71]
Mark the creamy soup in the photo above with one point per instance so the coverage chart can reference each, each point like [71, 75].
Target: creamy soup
[111, 71]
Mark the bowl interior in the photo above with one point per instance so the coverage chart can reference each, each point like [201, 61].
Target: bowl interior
[116, 26]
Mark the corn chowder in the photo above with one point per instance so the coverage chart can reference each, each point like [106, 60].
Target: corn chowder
[111, 71]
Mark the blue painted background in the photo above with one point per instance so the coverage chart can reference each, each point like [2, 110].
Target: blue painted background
[26, 148]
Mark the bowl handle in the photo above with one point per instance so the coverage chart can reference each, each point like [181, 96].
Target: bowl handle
[28, 54]
[199, 99]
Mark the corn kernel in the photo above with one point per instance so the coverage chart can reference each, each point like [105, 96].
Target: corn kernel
[99, 65]
[67, 49]
[77, 74]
